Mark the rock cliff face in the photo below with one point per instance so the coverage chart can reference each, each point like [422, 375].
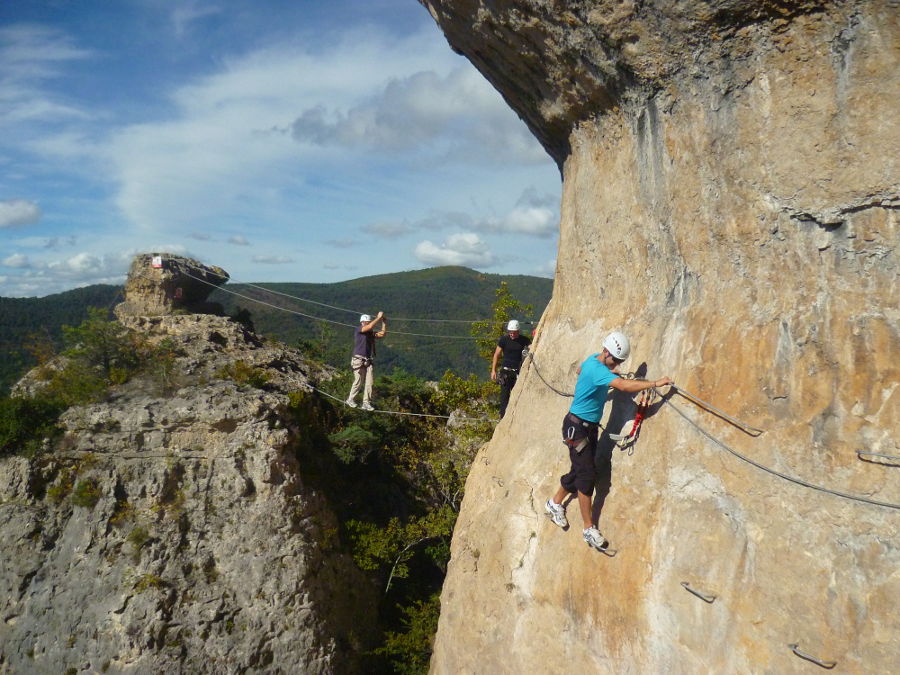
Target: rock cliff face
[161, 283]
[730, 194]
[177, 530]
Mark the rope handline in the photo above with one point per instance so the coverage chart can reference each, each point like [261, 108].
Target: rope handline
[752, 431]
[263, 302]
[792, 479]
[353, 311]
[396, 412]
[715, 440]
[318, 318]
[550, 386]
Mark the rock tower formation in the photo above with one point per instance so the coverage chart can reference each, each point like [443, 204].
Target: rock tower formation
[730, 200]
[175, 527]
[162, 283]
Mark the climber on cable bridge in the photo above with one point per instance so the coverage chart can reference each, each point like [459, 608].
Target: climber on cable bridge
[580, 425]
[511, 345]
[363, 358]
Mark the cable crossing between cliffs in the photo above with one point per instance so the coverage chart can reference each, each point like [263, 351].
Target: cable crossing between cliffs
[630, 437]
[339, 323]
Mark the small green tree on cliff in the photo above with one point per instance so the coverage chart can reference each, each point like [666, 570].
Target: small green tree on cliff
[505, 307]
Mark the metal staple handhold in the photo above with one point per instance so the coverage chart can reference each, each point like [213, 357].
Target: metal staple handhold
[828, 665]
[893, 458]
[705, 597]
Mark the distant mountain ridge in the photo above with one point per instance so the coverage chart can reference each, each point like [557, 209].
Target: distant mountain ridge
[446, 293]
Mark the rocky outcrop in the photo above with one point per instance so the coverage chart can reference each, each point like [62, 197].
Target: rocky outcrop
[175, 527]
[730, 199]
[163, 283]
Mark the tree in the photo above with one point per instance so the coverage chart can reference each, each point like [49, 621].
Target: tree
[505, 307]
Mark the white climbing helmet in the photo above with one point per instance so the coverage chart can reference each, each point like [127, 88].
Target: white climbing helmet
[364, 318]
[617, 345]
[512, 325]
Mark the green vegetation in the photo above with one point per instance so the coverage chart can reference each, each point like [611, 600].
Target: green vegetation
[86, 493]
[34, 322]
[98, 355]
[242, 373]
[505, 307]
[25, 422]
[148, 581]
[396, 483]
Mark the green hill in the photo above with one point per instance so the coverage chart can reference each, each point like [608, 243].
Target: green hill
[22, 320]
[452, 294]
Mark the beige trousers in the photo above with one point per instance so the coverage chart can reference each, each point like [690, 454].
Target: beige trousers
[363, 374]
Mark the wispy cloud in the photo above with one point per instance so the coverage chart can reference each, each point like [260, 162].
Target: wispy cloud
[16, 260]
[465, 248]
[388, 230]
[272, 259]
[18, 212]
[534, 214]
[188, 13]
[30, 56]
[456, 116]
[238, 240]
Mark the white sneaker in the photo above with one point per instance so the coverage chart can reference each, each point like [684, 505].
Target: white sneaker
[557, 513]
[367, 406]
[593, 538]
[350, 402]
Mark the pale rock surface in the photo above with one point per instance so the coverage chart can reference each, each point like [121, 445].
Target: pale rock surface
[208, 550]
[730, 198]
[163, 283]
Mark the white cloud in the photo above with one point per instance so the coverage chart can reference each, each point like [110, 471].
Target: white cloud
[15, 212]
[465, 248]
[532, 220]
[458, 116]
[16, 260]
[238, 240]
[224, 150]
[30, 56]
[272, 259]
[187, 13]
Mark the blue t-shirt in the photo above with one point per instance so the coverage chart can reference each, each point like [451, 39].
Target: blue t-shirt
[591, 389]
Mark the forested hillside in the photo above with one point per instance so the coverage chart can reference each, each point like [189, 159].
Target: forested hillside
[29, 321]
[453, 295]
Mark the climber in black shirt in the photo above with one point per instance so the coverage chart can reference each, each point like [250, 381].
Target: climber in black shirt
[511, 346]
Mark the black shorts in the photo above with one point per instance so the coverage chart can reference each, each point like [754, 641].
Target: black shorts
[581, 438]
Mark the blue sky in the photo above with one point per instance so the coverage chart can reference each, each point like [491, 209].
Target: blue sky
[283, 140]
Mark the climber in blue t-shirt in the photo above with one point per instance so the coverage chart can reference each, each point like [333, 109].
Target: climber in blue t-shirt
[580, 425]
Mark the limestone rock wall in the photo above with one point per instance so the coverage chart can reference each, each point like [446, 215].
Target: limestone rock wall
[206, 549]
[162, 283]
[730, 196]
